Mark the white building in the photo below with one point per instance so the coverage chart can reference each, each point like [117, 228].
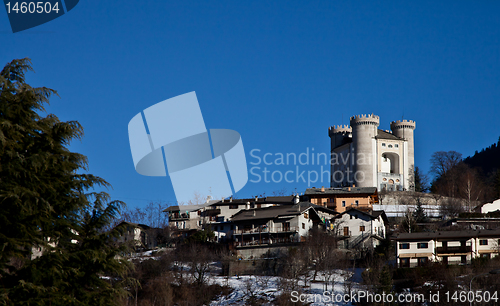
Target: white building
[490, 207]
[360, 229]
[450, 247]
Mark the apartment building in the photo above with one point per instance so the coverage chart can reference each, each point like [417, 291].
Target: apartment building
[449, 247]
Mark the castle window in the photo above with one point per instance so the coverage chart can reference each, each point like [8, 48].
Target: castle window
[390, 146]
[396, 145]
[383, 144]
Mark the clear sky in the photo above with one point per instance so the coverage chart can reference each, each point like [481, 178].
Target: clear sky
[280, 73]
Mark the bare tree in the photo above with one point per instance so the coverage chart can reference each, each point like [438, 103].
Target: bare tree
[151, 215]
[319, 246]
[471, 189]
[409, 224]
[442, 162]
[198, 258]
[451, 207]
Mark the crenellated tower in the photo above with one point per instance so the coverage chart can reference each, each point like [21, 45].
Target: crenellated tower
[364, 131]
[339, 134]
[404, 130]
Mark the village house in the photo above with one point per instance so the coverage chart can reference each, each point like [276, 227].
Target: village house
[361, 229]
[340, 199]
[141, 236]
[186, 217]
[277, 224]
[448, 247]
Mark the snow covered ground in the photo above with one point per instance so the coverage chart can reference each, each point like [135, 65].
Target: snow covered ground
[268, 288]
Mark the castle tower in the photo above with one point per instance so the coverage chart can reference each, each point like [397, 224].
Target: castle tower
[364, 131]
[404, 129]
[337, 134]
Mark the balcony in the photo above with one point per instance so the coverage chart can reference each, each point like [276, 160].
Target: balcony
[265, 242]
[212, 212]
[178, 217]
[265, 231]
[454, 249]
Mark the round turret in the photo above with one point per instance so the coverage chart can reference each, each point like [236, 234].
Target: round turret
[364, 130]
[404, 129]
[337, 134]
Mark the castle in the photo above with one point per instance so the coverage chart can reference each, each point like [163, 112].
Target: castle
[365, 156]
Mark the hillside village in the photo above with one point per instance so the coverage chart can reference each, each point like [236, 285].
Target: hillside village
[390, 221]
[360, 217]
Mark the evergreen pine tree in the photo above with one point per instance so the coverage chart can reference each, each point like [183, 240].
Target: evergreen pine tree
[45, 206]
[419, 214]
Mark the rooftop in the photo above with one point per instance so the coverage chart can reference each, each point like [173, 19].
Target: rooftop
[448, 235]
[269, 200]
[344, 190]
[385, 135]
[272, 212]
[186, 208]
[374, 214]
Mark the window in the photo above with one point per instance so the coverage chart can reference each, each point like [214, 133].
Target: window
[356, 202]
[404, 246]
[362, 228]
[383, 144]
[346, 230]
[199, 212]
[422, 261]
[422, 245]
[483, 242]
[199, 223]
[343, 203]
[306, 215]
[396, 146]
[390, 146]
[404, 262]
[303, 226]
[485, 255]
[233, 206]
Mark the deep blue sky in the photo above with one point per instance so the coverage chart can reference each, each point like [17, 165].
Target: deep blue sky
[278, 73]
